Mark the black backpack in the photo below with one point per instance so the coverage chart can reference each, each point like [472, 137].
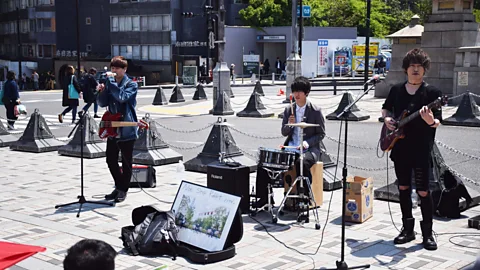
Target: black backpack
[154, 233]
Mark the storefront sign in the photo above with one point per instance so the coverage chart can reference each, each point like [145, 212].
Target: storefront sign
[282, 37]
[184, 44]
[67, 54]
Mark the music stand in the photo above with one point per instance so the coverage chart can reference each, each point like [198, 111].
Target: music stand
[81, 197]
[301, 179]
[343, 116]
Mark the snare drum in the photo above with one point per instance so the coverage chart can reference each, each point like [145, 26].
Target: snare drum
[274, 158]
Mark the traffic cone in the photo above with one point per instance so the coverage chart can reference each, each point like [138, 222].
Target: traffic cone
[281, 92]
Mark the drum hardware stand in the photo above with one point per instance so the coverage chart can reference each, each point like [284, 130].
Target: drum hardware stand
[81, 197]
[273, 174]
[301, 195]
[342, 265]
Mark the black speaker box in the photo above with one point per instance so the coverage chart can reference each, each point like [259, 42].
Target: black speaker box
[231, 180]
[143, 176]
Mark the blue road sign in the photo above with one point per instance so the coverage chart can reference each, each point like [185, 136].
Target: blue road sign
[322, 42]
[306, 11]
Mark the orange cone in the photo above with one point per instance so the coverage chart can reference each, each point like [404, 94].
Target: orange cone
[280, 92]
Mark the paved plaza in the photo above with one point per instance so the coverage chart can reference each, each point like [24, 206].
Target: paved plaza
[32, 184]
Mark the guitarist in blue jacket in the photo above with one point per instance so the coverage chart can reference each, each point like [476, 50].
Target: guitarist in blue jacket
[119, 93]
[411, 155]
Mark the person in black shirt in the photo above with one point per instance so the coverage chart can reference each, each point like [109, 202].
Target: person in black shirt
[411, 155]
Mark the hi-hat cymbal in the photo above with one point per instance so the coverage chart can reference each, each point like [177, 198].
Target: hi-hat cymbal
[302, 125]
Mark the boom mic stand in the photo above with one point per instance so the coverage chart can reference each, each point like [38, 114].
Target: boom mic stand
[81, 197]
[342, 265]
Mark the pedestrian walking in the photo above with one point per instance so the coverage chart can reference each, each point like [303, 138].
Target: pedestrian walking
[69, 100]
[11, 98]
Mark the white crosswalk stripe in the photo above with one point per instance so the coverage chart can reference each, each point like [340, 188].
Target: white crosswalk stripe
[52, 120]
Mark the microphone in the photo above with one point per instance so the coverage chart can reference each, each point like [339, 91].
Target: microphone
[375, 78]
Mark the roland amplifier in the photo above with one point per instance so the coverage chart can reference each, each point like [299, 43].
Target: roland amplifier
[231, 180]
[143, 176]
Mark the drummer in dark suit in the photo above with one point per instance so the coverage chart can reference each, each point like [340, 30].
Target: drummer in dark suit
[304, 111]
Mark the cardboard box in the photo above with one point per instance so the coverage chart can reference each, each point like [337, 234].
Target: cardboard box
[359, 199]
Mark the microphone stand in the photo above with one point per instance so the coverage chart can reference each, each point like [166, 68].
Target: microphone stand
[342, 265]
[81, 198]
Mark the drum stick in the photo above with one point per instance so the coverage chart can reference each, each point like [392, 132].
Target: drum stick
[291, 102]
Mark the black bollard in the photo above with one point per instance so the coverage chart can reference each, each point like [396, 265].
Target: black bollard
[160, 98]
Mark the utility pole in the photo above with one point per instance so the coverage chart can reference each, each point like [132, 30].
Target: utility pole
[300, 31]
[208, 9]
[367, 45]
[78, 37]
[19, 44]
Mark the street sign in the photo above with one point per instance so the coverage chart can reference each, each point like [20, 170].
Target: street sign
[306, 11]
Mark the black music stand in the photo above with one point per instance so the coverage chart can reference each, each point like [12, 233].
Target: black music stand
[343, 116]
[81, 197]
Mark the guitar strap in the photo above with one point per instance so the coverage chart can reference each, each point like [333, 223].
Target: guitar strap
[418, 98]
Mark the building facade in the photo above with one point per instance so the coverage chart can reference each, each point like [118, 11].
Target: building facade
[94, 34]
[35, 32]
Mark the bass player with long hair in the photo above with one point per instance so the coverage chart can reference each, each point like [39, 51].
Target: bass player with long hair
[412, 154]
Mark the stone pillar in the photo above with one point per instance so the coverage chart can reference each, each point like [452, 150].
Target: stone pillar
[294, 69]
[451, 25]
[403, 41]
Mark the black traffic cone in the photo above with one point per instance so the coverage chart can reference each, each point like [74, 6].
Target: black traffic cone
[6, 139]
[354, 115]
[177, 95]
[93, 146]
[149, 149]
[259, 89]
[255, 108]
[467, 113]
[223, 106]
[37, 137]
[219, 140]
[199, 93]
[160, 98]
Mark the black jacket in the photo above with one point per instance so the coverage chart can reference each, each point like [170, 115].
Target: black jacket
[89, 88]
[65, 100]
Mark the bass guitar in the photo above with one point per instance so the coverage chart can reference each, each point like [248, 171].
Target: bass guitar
[388, 138]
[111, 122]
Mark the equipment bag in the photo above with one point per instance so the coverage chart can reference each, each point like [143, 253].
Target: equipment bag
[154, 233]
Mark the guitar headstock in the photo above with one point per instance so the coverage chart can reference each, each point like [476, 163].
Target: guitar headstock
[440, 101]
[142, 124]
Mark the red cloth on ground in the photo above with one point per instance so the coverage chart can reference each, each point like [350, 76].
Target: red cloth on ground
[12, 253]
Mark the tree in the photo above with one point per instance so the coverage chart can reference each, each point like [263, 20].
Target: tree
[261, 13]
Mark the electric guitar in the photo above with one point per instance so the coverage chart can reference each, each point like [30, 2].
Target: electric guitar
[388, 138]
[110, 122]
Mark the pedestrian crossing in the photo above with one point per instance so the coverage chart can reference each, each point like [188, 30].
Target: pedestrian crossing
[53, 124]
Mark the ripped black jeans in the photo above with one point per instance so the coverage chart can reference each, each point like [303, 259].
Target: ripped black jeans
[407, 172]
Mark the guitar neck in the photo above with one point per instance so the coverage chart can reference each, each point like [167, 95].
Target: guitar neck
[122, 124]
[409, 118]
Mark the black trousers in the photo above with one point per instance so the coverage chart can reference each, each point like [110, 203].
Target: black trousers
[10, 112]
[120, 176]
[309, 159]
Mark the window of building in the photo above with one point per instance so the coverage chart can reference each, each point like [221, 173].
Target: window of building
[114, 24]
[32, 25]
[88, 21]
[135, 23]
[31, 3]
[238, 1]
[143, 52]
[154, 23]
[46, 2]
[23, 4]
[24, 26]
[113, 1]
[89, 47]
[45, 51]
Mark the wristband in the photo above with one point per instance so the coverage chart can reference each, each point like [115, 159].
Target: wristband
[434, 122]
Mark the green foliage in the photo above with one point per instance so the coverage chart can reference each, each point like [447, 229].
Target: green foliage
[387, 16]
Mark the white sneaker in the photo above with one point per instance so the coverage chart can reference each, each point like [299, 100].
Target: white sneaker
[10, 127]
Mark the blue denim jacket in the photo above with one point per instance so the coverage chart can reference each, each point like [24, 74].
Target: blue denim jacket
[121, 98]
